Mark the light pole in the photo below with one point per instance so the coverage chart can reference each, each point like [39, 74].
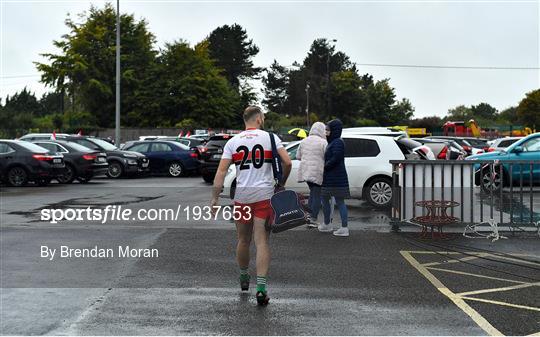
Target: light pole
[328, 101]
[307, 104]
[117, 105]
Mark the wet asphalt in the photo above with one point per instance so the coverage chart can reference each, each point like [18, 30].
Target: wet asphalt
[319, 284]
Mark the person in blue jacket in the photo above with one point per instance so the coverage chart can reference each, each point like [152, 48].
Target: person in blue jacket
[335, 181]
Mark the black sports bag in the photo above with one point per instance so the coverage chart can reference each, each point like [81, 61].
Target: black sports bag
[288, 210]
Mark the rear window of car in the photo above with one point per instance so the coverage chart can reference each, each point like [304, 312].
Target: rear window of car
[507, 143]
[218, 141]
[357, 147]
[32, 147]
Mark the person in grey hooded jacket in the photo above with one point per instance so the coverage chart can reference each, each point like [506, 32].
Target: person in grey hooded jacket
[311, 155]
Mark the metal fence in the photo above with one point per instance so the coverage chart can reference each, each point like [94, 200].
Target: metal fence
[475, 195]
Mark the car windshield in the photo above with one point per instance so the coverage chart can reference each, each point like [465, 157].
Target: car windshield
[105, 145]
[32, 147]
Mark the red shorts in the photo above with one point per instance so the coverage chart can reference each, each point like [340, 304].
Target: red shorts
[260, 209]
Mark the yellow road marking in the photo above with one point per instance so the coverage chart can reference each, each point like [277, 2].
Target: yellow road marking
[492, 290]
[476, 275]
[476, 317]
[433, 252]
[468, 258]
[501, 303]
[517, 260]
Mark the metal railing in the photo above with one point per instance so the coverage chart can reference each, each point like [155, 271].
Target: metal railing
[501, 195]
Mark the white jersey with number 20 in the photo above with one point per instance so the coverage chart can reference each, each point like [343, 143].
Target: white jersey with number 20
[251, 152]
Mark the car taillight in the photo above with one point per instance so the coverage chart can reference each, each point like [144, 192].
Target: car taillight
[193, 155]
[490, 149]
[89, 156]
[442, 154]
[202, 149]
[467, 148]
[42, 157]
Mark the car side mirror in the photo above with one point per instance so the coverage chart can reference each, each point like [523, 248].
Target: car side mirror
[518, 149]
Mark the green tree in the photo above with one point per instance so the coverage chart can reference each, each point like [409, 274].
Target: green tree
[18, 113]
[347, 98]
[509, 116]
[459, 113]
[276, 83]
[483, 111]
[185, 84]
[233, 52]
[432, 123]
[528, 109]
[85, 66]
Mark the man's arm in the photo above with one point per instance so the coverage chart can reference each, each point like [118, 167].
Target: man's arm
[219, 179]
[286, 163]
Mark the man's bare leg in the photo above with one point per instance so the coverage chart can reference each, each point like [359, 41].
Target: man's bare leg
[244, 233]
[263, 258]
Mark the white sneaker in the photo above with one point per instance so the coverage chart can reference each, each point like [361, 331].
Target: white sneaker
[325, 228]
[343, 231]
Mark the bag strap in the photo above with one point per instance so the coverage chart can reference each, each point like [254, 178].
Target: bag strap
[276, 160]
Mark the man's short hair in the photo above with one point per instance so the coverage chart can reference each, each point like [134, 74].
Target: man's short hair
[251, 111]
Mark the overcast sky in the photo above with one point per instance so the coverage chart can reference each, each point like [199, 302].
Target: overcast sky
[438, 33]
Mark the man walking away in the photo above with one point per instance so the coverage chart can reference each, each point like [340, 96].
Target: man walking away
[311, 155]
[335, 181]
[251, 152]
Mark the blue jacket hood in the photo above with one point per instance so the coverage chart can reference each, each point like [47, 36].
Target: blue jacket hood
[336, 127]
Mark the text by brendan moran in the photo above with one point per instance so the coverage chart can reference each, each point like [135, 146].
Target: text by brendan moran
[96, 252]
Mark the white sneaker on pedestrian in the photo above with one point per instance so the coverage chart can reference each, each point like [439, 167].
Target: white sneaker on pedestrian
[325, 228]
[312, 224]
[343, 231]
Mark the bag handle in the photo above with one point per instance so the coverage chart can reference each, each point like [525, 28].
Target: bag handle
[276, 161]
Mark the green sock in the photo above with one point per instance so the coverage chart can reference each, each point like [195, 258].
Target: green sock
[261, 283]
[244, 274]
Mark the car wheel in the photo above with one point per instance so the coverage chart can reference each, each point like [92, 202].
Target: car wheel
[43, 181]
[209, 178]
[17, 176]
[175, 169]
[491, 181]
[115, 170]
[379, 192]
[68, 176]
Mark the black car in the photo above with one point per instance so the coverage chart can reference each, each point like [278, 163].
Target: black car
[21, 162]
[120, 162]
[81, 162]
[210, 155]
[169, 157]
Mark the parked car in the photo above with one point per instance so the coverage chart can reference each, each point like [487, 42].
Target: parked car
[121, 162]
[21, 162]
[168, 157]
[468, 147]
[29, 137]
[376, 131]
[81, 162]
[367, 159]
[444, 149]
[526, 149]
[209, 155]
[502, 143]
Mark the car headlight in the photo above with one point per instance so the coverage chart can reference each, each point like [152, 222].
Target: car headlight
[129, 155]
[132, 162]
